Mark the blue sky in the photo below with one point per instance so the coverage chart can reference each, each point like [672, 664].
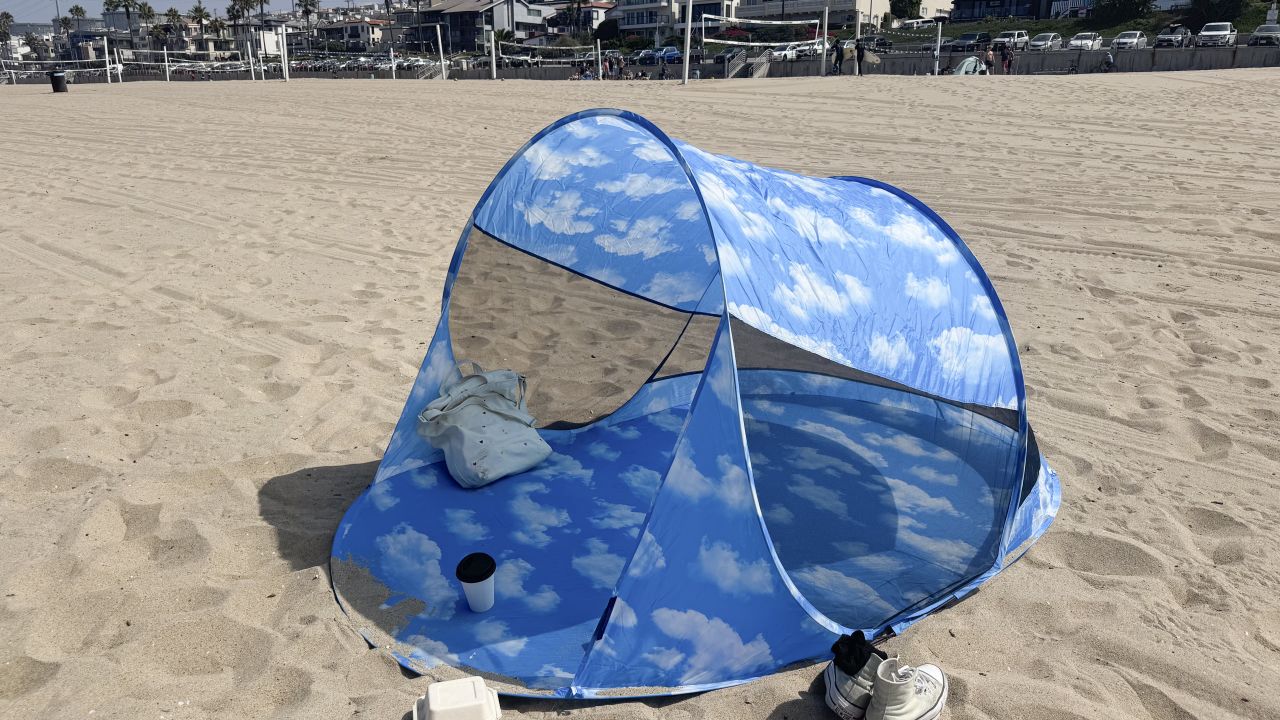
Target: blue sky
[43, 10]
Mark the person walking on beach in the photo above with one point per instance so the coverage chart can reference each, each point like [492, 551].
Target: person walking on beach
[1004, 58]
[862, 54]
[991, 61]
[837, 59]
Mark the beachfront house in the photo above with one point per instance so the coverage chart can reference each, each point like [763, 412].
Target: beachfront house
[561, 20]
[466, 24]
[354, 34]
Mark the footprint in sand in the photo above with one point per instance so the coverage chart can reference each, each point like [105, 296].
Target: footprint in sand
[55, 474]
[23, 674]
[159, 411]
[1214, 444]
[183, 543]
[112, 396]
[1099, 554]
[1213, 523]
[256, 362]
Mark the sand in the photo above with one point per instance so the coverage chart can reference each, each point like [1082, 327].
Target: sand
[214, 297]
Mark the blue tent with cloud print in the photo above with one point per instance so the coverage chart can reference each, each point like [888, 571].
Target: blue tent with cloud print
[781, 408]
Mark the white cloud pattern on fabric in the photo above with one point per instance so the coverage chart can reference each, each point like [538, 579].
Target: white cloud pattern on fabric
[890, 353]
[463, 523]
[561, 213]
[718, 650]
[412, 560]
[648, 558]
[648, 237]
[931, 290]
[640, 185]
[547, 163]
[719, 563]
[599, 565]
[534, 520]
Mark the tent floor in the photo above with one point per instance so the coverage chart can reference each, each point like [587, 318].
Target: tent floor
[580, 510]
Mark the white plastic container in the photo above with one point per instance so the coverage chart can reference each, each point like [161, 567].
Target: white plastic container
[465, 699]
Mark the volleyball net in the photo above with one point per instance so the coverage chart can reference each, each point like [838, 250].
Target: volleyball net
[728, 31]
[32, 68]
[551, 55]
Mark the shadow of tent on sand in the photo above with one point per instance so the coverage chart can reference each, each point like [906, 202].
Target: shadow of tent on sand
[306, 506]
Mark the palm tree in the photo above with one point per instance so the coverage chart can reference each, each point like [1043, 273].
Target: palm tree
[128, 6]
[6, 31]
[65, 24]
[147, 16]
[174, 26]
[262, 16]
[308, 8]
[78, 13]
[217, 26]
[199, 15]
[239, 10]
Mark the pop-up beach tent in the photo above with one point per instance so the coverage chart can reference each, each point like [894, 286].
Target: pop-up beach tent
[781, 408]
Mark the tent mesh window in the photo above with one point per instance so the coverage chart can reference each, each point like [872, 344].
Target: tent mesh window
[592, 347]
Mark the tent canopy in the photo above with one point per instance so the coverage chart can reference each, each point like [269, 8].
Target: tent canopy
[781, 408]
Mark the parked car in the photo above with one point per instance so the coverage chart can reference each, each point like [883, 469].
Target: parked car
[1265, 35]
[784, 52]
[1015, 39]
[969, 42]
[669, 54]
[1222, 34]
[876, 43]
[1046, 41]
[1129, 40]
[724, 55]
[813, 49]
[917, 23]
[1175, 35]
[1085, 41]
[644, 57]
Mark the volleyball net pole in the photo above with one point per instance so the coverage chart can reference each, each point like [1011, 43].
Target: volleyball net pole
[106, 55]
[493, 55]
[688, 38]
[599, 62]
[822, 49]
[284, 56]
[444, 73]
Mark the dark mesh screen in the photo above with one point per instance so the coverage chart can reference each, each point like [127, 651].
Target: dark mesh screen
[584, 346]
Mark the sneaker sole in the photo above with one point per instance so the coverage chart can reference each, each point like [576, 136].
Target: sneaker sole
[837, 702]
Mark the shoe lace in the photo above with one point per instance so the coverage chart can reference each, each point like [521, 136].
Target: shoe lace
[924, 683]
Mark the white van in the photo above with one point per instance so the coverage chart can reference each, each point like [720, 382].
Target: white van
[917, 23]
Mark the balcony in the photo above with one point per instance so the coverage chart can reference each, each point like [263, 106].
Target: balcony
[796, 9]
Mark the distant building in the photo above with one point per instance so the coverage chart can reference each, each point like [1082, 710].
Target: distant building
[979, 9]
[590, 15]
[356, 34]
[465, 24]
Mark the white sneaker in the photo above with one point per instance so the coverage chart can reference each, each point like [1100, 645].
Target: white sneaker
[848, 696]
[902, 692]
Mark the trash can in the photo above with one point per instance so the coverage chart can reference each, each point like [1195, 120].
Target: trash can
[58, 80]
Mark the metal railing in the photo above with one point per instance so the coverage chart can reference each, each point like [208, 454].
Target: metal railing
[735, 63]
[760, 64]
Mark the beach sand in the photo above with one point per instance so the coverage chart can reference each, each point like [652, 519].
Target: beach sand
[214, 297]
